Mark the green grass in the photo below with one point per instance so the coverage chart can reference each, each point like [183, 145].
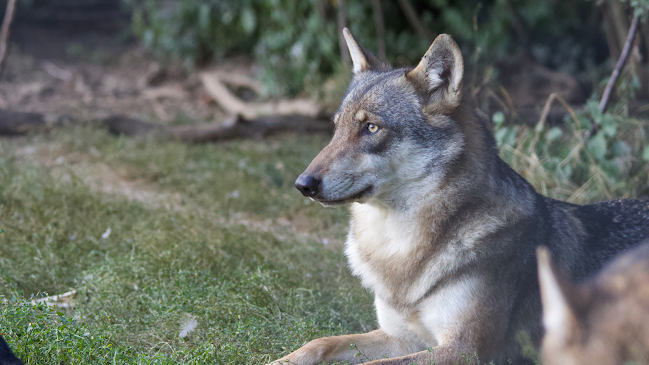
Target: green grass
[219, 235]
[256, 293]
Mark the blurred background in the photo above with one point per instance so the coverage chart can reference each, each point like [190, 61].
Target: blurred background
[148, 152]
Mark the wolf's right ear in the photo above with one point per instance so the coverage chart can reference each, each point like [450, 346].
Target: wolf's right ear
[362, 59]
[556, 291]
[439, 74]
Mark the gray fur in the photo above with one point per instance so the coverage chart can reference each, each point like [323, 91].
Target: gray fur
[440, 222]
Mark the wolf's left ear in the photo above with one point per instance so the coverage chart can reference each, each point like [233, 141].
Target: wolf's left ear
[557, 293]
[439, 73]
[362, 59]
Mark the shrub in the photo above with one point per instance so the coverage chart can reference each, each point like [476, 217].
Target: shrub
[297, 41]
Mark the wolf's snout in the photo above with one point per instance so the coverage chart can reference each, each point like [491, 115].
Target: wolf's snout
[308, 185]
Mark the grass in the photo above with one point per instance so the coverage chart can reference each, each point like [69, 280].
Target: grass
[256, 291]
[211, 233]
[571, 163]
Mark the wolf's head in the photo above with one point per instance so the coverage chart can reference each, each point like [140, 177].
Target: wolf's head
[396, 130]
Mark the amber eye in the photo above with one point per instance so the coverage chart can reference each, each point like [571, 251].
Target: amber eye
[372, 128]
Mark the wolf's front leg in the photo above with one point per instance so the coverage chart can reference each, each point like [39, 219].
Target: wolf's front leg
[369, 346]
[441, 355]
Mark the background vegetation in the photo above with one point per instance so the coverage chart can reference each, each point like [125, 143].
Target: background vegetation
[207, 238]
[297, 41]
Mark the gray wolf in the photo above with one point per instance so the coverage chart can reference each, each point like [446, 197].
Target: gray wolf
[442, 231]
[603, 321]
[6, 356]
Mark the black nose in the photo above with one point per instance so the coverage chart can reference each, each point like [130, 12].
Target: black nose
[308, 185]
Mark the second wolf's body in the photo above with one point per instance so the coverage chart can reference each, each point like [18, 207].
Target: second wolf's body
[442, 230]
[605, 320]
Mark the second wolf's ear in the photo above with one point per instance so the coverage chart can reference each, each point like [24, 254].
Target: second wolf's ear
[362, 59]
[559, 317]
[439, 73]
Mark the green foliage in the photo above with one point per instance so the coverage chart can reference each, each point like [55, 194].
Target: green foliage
[297, 41]
[640, 7]
[573, 163]
[197, 30]
[297, 48]
[256, 289]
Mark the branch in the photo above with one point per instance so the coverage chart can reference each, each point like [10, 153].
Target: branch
[248, 120]
[520, 26]
[414, 20]
[235, 106]
[340, 20]
[237, 128]
[20, 123]
[4, 32]
[620, 62]
[380, 29]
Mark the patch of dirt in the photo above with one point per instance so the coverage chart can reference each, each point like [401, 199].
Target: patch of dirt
[98, 176]
[93, 76]
[111, 180]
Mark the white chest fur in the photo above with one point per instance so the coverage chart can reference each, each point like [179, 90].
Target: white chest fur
[382, 247]
[391, 252]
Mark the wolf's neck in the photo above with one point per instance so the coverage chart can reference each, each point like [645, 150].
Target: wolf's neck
[437, 214]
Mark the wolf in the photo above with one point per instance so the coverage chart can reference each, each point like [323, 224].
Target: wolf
[443, 231]
[6, 356]
[605, 320]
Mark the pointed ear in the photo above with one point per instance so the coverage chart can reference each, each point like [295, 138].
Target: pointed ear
[439, 73]
[556, 292]
[362, 59]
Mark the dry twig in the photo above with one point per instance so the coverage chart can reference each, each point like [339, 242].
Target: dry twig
[340, 19]
[618, 67]
[236, 127]
[235, 106]
[5, 31]
[380, 29]
[414, 21]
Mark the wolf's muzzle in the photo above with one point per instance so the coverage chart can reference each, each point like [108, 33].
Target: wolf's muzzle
[308, 185]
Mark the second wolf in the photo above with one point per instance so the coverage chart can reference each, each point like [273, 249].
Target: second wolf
[604, 321]
[442, 230]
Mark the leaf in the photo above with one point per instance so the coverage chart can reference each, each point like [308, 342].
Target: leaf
[510, 139]
[645, 155]
[609, 125]
[593, 108]
[597, 145]
[566, 171]
[1, 231]
[500, 136]
[553, 133]
[498, 118]
[204, 16]
[248, 20]
[609, 130]
[622, 149]
[148, 39]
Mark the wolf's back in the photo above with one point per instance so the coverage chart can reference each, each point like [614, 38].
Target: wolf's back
[604, 230]
[615, 225]
[6, 356]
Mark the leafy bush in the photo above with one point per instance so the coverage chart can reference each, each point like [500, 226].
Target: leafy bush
[574, 164]
[297, 41]
[196, 30]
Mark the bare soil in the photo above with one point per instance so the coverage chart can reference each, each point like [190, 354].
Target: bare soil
[91, 74]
